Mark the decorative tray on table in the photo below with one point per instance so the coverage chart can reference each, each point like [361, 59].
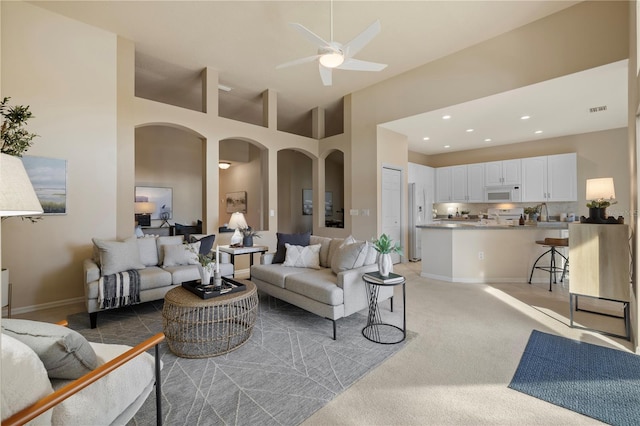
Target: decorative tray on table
[208, 291]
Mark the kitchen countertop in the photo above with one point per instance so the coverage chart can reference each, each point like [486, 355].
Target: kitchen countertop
[471, 224]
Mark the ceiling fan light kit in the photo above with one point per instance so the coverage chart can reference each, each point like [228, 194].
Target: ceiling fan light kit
[335, 55]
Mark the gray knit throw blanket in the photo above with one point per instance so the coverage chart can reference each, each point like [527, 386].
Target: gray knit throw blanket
[119, 289]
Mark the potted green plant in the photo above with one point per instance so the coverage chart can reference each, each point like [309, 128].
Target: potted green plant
[530, 213]
[14, 137]
[385, 246]
[248, 234]
[206, 263]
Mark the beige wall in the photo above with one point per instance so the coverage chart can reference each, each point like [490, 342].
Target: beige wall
[66, 72]
[294, 175]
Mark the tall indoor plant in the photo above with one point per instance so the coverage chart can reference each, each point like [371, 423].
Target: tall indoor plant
[385, 246]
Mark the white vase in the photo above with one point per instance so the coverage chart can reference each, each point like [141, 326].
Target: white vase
[385, 266]
[206, 272]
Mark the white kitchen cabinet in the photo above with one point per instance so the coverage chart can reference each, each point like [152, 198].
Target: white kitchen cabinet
[506, 172]
[443, 185]
[462, 184]
[550, 178]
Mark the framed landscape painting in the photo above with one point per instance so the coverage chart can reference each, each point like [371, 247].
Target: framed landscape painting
[236, 202]
[49, 179]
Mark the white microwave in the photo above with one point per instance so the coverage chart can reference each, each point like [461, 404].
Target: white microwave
[502, 194]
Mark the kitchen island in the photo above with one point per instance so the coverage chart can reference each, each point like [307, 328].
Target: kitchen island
[479, 253]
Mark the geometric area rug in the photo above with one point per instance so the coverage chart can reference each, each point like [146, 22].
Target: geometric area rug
[599, 382]
[288, 369]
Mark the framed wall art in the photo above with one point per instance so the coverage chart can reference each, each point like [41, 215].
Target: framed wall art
[161, 197]
[236, 201]
[307, 202]
[49, 179]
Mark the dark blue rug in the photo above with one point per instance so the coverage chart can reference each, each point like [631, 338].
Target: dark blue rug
[598, 382]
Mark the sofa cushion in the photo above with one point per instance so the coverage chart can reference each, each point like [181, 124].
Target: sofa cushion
[163, 241]
[65, 353]
[349, 256]
[180, 274]
[181, 254]
[274, 273]
[118, 256]
[333, 247]
[324, 242]
[318, 285]
[206, 243]
[24, 379]
[302, 257]
[294, 239]
[147, 246]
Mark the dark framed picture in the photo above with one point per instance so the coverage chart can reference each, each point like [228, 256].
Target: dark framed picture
[161, 197]
[307, 202]
[236, 201]
[49, 179]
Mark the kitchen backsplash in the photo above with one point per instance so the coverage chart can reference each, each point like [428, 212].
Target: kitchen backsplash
[555, 209]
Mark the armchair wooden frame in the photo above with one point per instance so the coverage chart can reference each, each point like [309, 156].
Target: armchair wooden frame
[55, 398]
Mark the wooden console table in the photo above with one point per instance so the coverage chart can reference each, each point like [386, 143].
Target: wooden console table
[599, 267]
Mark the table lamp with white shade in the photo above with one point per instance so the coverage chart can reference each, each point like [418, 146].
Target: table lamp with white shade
[600, 194]
[17, 198]
[143, 210]
[237, 222]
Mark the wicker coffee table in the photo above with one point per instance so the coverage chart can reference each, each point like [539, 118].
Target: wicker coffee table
[201, 328]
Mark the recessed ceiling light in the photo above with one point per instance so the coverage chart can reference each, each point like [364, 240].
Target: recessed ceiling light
[487, 140]
[426, 138]
[469, 130]
[538, 132]
[447, 146]
[446, 117]
[525, 117]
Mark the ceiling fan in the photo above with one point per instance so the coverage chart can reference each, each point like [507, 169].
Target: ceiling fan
[332, 54]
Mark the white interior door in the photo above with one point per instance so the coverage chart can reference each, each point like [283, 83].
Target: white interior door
[392, 206]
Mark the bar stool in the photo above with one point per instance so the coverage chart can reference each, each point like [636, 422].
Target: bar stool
[552, 269]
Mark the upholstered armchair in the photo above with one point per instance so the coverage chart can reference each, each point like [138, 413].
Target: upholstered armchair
[54, 375]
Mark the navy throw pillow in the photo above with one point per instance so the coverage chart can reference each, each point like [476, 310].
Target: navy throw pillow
[206, 243]
[293, 239]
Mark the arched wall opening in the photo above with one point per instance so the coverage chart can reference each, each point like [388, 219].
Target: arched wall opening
[295, 192]
[334, 189]
[168, 160]
[244, 185]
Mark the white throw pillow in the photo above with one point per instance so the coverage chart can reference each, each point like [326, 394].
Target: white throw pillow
[372, 254]
[164, 240]
[349, 256]
[24, 379]
[302, 257]
[147, 246]
[118, 256]
[181, 254]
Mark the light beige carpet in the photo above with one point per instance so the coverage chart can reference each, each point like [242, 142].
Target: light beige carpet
[470, 340]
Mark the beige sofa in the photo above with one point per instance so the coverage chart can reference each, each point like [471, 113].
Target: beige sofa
[333, 289]
[160, 267]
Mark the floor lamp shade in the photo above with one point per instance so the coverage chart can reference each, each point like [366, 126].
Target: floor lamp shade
[17, 196]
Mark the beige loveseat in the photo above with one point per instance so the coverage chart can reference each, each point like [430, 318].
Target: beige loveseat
[161, 262]
[333, 288]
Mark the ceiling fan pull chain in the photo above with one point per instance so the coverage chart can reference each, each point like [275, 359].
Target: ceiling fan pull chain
[331, 39]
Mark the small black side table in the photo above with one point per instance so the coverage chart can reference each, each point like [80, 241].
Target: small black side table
[374, 326]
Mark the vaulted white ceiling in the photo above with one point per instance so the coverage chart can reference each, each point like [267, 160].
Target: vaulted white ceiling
[246, 40]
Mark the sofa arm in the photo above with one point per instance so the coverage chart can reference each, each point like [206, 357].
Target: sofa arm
[351, 276]
[91, 271]
[51, 400]
[267, 258]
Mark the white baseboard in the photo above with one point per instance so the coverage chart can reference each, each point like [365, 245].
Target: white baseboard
[42, 306]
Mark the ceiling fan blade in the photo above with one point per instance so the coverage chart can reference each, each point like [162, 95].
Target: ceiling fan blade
[325, 75]
[298, 61]
[358, 65]
[361, 40]
[310, 35]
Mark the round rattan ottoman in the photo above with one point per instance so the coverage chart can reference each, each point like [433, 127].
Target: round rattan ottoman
[200, 328]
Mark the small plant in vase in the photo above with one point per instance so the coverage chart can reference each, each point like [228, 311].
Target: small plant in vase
[206, 264]
[385, 246]
[248, 234]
